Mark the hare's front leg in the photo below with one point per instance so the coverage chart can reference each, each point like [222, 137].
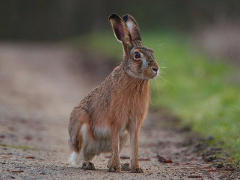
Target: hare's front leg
[134, 134]
[114, 166]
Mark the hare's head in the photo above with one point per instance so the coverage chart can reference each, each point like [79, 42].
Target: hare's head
[139, 61]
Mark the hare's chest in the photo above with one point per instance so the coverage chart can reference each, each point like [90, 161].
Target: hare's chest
[131, 106]
[129, 101]
[138, 108]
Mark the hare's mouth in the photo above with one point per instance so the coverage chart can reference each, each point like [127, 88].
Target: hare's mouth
[142, 75]
[156, 73]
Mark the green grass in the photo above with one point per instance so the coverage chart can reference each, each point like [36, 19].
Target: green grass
[22, 147]
[204, 93]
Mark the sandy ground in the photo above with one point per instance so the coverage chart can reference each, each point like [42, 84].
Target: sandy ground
[39, 86]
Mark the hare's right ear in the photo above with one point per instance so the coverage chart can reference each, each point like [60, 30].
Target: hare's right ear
[133, 27]
[120, 29]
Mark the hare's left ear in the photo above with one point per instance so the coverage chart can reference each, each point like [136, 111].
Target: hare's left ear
[120, 29]
[133, 27]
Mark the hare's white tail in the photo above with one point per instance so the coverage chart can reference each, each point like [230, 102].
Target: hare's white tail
[73, 158]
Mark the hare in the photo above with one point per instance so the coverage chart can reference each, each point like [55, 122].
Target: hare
[116, 108]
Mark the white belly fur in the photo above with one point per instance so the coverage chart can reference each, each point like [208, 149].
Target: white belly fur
[102, 144]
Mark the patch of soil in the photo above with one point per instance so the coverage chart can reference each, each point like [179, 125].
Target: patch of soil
[95, 67]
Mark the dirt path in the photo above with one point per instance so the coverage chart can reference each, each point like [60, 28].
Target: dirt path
[39, 85]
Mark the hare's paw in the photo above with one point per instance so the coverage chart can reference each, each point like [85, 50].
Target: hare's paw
[137, 170]
[88, 166]
[125, 167]
[115, 168]
[114, 165]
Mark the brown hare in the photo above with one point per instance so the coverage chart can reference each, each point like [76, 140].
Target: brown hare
[117, 107]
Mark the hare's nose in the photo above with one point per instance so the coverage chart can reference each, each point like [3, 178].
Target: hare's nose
[155, 69]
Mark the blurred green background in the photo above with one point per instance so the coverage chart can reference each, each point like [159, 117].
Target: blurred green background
[196, 42]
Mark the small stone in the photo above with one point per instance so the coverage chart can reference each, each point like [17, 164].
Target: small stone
[42, 173]
[220, 165]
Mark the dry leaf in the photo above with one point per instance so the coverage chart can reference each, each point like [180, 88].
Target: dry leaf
[144, 159]
[163, 160]
[30, 157]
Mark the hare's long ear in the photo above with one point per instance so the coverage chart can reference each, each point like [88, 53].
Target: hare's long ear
[133, 27]
[120, 29]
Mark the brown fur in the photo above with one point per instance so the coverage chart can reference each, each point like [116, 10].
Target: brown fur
[119, 103]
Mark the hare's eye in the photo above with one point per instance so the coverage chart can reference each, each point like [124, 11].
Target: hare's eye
[137, 55]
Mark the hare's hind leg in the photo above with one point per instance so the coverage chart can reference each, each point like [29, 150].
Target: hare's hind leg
[87, 164]
[87, 140]
[73, 158]
[79, 132]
